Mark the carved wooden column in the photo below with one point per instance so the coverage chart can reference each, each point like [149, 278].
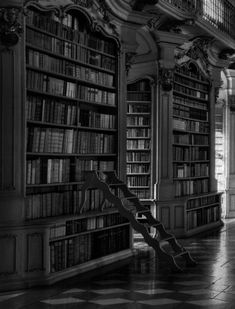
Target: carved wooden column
[230, 145]
[167, 43]
[12, 128]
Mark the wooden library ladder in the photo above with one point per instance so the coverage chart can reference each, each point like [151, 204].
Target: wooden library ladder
[128, 204]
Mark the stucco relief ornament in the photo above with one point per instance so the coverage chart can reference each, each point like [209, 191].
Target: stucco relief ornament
[166, 79]
[10, 28]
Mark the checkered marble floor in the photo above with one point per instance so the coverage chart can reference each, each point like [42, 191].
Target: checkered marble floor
[140, 283]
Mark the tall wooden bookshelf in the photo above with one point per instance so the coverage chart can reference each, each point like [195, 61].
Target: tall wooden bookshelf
[196, 206]
[72, 111]
[139, 142]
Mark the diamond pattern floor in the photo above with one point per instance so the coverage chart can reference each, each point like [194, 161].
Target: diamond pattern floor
[140, 283]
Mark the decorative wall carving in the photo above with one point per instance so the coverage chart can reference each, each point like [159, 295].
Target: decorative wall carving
[129, 60]
[196, 49]
[166, 79]
[10, 27]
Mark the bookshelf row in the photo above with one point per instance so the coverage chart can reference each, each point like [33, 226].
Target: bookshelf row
[203, 216]
[191, 139]
[138, 168]
[190, 125]
[138, 120]
[188, 153]
[138, 132]
[68, 141]
[138, 107]
[190, 170]
[71, 28]
[72, 51]
[137, 156]
[49, 110]
[86, 224]
[190, 83]
[48, 171]
[191, 92]
[203, 201]
[43, 61]
[191, 187]
[142, 193]
[61, 87]
[190, 103]
[190, 112]
[83, 248]
[63, 201]
[138, 180]
[190, 72]
[138, 144]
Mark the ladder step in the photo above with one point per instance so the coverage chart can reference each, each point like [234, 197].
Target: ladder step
[180, 254]
[167, 238]
[142, 211]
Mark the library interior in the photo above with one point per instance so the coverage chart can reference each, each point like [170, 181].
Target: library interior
[117, 154]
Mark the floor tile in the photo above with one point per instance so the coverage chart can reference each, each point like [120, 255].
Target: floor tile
[159, 302]
[111, 301]
[154, 291]
[110, 291]
[62, 301]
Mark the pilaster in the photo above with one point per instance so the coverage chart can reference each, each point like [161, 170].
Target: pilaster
[12, 128]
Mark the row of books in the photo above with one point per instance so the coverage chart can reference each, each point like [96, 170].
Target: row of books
[139, 156]
[190, 187]
[203, 201]
[138, 144]
[185, 81]
[189, 125]
[138, 132]
[138, 168]
[52, 110]
[71, 28]
[138, 181]
[56, 111]
[77, 250]
[191, 139]
[48, 171]
[191, 92]
[71, 227]
[70, 50]
[138, 120]
[63, 203]
[93, 223]
[189, 112]
[61, 66]
[202, 216]
[190, 102]
[82, 166]
[138, 107]
[191, 72]
[54, 140]
[93, 119]
[45, 83]
[190, 154]
[192, 170]
[142, 193]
